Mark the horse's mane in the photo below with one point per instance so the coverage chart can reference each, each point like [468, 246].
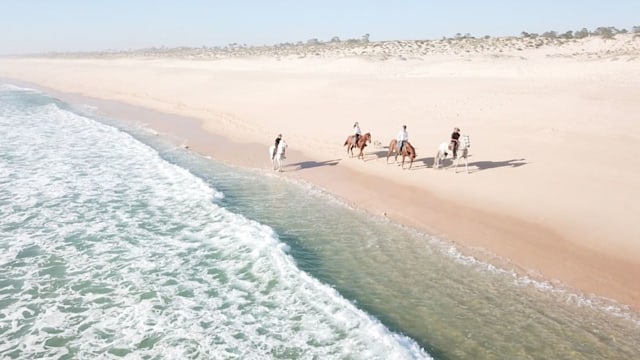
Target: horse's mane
[365, 137]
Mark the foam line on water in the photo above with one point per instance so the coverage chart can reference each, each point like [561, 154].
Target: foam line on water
[110, 249]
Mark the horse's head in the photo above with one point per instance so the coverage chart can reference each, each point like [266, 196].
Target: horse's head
[367, 137]
[465, 143]
[411, 151]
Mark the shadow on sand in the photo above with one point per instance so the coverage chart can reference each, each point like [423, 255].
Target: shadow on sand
[378, 154]
[484, 165]
[423, 163]
[312, 164]
[428, 162]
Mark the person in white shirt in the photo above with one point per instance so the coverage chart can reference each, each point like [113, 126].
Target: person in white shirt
[403, 136]
[356, 132]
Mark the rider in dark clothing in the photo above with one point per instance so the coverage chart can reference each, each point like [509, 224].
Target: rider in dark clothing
[275, 148]
[455, 142]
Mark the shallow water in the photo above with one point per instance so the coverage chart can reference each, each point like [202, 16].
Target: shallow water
[116, 241]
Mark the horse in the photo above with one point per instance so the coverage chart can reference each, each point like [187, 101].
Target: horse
[463, 152]
[278, 159]
[362, 142]
[407, 150]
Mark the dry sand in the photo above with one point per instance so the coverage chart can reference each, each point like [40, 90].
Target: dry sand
[554, 128]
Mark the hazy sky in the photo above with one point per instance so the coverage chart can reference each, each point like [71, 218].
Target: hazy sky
[80, 25]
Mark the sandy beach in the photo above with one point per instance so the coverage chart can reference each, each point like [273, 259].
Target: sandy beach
[554, 126]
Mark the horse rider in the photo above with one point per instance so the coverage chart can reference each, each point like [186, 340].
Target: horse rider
[402, 137]
[275, 148]
[455, 142]
[356, 132]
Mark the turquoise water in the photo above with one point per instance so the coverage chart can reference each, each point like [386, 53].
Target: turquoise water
[115, 242]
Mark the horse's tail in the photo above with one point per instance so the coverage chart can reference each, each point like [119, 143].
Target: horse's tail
[347, 141]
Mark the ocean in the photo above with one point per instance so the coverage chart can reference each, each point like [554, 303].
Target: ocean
[119, 243]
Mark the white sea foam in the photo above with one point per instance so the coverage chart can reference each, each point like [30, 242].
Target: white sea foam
[11, 87]
[108, 249]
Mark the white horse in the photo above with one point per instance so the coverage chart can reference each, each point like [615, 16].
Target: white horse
[278, 159]
[463, 153]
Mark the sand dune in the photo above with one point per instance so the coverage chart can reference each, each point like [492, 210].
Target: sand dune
[554, 126]
[593, 47]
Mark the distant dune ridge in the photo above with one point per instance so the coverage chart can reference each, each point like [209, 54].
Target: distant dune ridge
[584, 47]
[554, 123]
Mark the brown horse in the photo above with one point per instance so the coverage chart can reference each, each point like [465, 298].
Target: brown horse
[362, 142]
[407, 150]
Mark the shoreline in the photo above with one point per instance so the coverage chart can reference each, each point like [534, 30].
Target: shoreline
[543, 248]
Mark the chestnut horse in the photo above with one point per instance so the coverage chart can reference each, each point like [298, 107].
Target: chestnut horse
[407, 150]
[362, 142]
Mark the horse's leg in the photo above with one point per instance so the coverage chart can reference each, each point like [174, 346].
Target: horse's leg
[392, 150]
[402, 166]
[435, 160]
[348, 144]
[466, 164]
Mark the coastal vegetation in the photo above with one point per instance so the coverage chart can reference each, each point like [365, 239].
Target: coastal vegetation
[459, 44]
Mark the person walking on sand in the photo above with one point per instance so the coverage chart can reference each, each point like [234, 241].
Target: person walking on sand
[455, 142]
[356, 132]
[402, 137]
[275, 148]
